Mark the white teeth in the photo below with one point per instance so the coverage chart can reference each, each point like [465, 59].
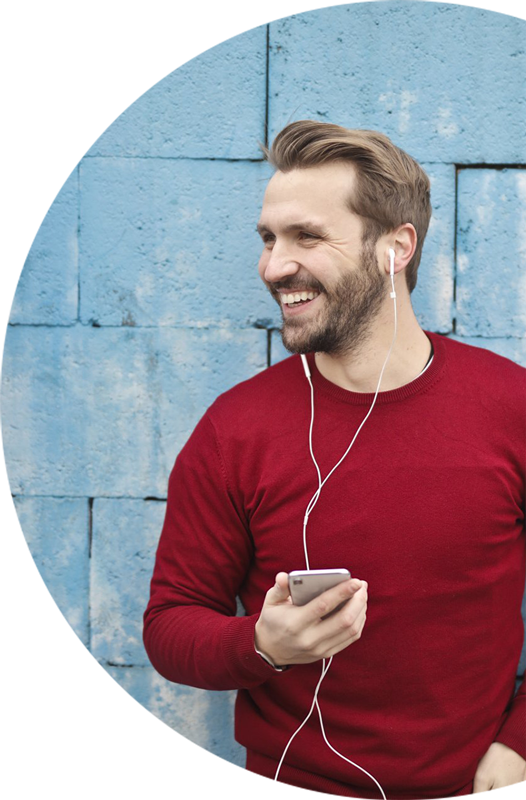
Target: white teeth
[296, 297]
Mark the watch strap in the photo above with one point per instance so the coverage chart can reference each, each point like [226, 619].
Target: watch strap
[269, 662]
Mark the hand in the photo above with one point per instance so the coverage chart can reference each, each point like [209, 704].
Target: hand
[501, 766]
[290, 634]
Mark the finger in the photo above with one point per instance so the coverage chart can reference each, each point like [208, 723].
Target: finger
[278, 593]
[337, 646]
[331, 599]
[340, 620]
[351, 626]
[349, 631]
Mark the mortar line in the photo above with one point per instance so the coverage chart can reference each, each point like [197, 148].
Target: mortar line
[90, 541]
[455, 268]
[219, 326]
[78, 243]
[225, 159]
[160, 157]
[489, 165]
[85, 497]
[267, 86]
[90, 525]
[77, 665]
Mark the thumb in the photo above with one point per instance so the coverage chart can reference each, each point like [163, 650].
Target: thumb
[279, 593]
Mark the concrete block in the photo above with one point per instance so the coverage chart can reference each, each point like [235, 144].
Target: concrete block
[43, 580]
[277, 351]
[433, 295]
[445, 82]
[104, 411]
[132, 78]
[125, 537]
[38, 239]
[172, 243]
[491, 253]
[522, 662]
[87, 732]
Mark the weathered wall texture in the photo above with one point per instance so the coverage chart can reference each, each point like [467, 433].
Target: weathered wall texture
[140, 300]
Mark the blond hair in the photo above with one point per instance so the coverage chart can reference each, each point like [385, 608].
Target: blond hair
[391, 187]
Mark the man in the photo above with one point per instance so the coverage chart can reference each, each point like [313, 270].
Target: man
[426, 510]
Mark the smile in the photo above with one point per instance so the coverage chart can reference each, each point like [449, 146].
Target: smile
[297, 298]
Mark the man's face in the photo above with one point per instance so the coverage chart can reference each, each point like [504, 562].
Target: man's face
[326, 281]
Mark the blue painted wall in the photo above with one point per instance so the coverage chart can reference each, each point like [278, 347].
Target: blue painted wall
[140, 300]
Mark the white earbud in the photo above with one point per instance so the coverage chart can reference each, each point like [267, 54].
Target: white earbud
[392, 255]
[391, 261]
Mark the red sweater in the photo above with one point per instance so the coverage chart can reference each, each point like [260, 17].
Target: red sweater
[428, 507]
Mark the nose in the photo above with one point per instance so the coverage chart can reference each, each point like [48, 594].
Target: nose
[277, 263]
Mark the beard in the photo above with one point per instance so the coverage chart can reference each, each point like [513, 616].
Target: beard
[349, 308]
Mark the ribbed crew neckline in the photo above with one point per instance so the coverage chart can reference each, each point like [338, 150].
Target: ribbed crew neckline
[419, 384]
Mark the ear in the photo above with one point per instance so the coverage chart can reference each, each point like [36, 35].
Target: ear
[403, 241]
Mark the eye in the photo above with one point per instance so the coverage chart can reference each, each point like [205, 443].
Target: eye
[308, 236]
[266, 236]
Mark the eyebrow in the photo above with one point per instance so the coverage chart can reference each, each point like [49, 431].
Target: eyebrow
[295, 226]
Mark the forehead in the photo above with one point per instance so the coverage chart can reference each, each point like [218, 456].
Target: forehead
[320, 193]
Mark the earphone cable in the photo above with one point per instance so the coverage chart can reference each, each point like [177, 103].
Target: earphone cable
[310, 506]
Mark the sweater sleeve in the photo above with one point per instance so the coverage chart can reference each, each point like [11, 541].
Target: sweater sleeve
[191, 633]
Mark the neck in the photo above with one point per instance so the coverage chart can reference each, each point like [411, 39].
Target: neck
[358, 370]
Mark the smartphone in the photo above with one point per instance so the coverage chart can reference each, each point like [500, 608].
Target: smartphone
[306, 584]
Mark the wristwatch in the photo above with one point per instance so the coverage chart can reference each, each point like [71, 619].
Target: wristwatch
[269, 662]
